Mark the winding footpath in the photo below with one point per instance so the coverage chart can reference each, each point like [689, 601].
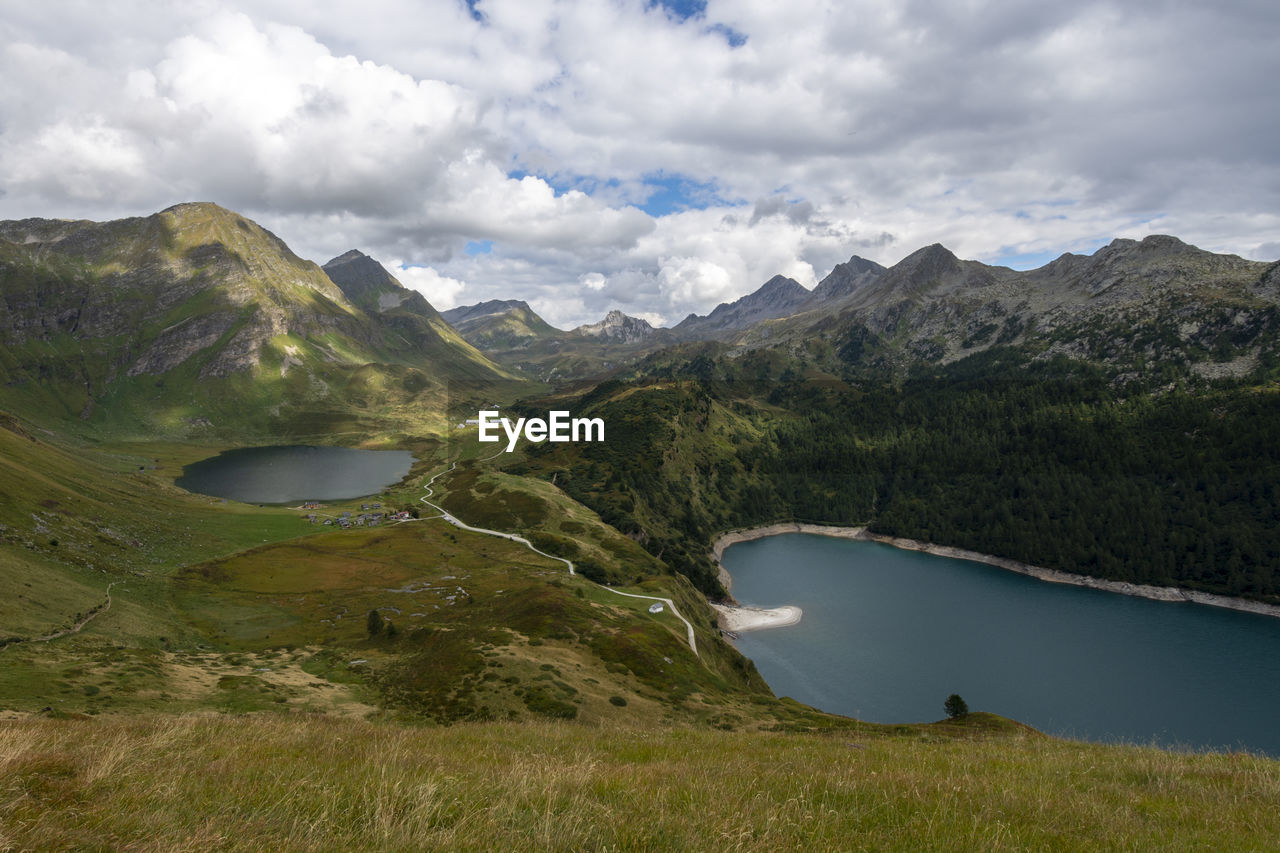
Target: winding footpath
[457, 522]
[74, 629]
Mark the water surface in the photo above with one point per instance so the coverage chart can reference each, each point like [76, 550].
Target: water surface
[286, 475]
[888, 634]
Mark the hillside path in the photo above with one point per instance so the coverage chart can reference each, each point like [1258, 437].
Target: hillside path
[457, 522]
[74, 629]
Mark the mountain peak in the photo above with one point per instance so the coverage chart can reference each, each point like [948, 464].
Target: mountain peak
[779, 283]
[347, 257]
[933, 254]
[926, 265]
[500, 324]
[777, 297]
[858, 265]
[358, 274]
[488, 308]
[368, 284]
[619, 327]
[198, 208]
[844, 279]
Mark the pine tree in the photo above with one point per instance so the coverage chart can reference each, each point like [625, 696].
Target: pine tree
[955, 706]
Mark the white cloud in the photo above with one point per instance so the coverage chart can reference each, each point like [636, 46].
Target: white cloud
[869, 126]
[441, 291]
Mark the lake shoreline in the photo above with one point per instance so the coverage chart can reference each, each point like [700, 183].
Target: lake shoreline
[1155, 593]
[736, 619]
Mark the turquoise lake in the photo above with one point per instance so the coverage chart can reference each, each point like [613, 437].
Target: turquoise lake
[888, 634]
[288, 475]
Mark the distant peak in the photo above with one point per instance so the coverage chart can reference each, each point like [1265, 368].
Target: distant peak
[1162, 241]
[189, 207]
[933, 250]
[195, 212]
[347, 257]
[617, 326]
[857, 265]
[931, 259]
[1148, 244]
[493, 306]
[780, 282]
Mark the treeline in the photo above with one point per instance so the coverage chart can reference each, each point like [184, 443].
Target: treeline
[1052, 464]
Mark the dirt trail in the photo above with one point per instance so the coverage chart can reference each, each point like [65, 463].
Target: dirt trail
[455, 521]
[93, 613]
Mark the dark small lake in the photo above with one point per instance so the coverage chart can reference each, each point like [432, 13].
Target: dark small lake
[286, 475]
[888, 634]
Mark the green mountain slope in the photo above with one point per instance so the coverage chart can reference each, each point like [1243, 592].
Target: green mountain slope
[196, 322]
[501, 324]
[407, 315]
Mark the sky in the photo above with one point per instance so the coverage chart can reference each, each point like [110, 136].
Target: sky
[657, 157]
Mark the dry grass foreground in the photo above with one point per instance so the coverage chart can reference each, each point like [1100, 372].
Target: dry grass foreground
[265, 782]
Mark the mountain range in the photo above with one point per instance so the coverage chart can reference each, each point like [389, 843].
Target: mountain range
[196, 320]
[1132, 304]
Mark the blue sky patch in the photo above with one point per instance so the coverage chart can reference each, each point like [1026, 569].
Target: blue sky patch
[684, 10]
[732, 36]
[1024, 260]
[1035, 260]
[561, 184]
[478, 247]
[476, 14]
[663, 193]
[681, 10]
[674, 193]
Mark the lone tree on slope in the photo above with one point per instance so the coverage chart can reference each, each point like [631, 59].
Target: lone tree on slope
[955, 706]
[374, 623]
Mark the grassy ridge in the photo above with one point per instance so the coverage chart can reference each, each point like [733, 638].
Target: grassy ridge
[268, 782]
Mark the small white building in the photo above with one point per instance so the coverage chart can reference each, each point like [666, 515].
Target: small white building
[656, 607]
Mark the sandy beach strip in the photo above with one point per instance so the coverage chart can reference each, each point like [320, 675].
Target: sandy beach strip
[740, 619]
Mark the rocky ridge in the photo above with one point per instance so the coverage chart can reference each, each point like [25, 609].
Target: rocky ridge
[617, 327]
[778, 297]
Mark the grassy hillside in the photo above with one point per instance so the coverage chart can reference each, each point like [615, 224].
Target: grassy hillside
[195, 323]
[218, 605]
[306, 783]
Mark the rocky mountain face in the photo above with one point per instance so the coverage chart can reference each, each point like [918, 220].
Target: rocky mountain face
[778, 297]
[844, 279]
[367, 284]
[109, 314]
[405, 313]
[617, 328]
[1132, 304]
